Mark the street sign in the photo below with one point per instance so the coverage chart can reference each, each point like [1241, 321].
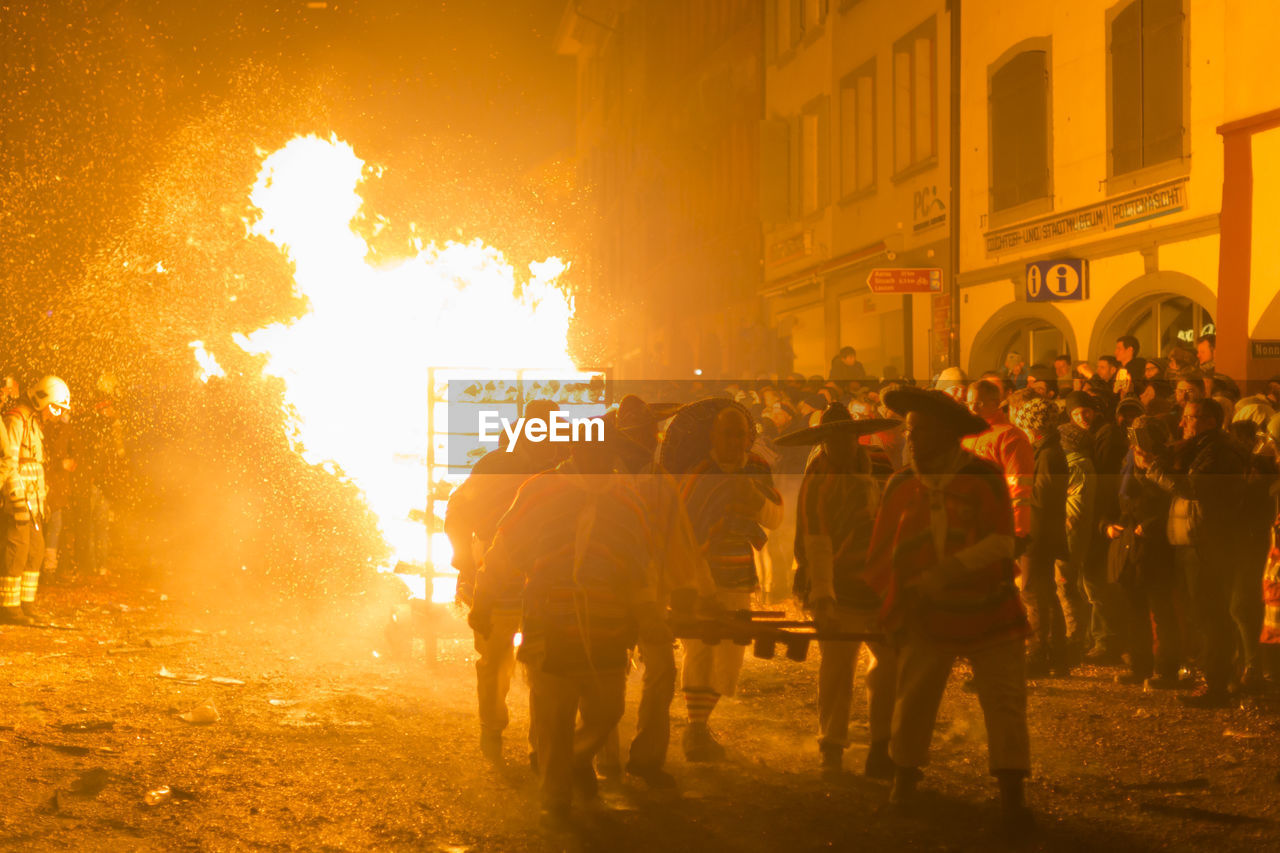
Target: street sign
[906, 280]
[1265, 349]
[1058, 281]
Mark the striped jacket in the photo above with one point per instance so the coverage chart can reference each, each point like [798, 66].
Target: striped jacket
[576, 551]
[728, 538]
[973, 504]
[22, 462]
[676, 563]
[835, 515]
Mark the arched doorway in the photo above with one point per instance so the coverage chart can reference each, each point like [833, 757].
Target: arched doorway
[1162, 310]
[1040, 333]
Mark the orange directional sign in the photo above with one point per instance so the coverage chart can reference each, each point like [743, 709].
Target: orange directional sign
[906, 280]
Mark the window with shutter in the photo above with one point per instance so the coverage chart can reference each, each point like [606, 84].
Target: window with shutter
[1147, 85]
[915, 136]
[857, 131]
[1019, 115]
[810, 145]
[901, 110]
[866, 129]
[782, 25]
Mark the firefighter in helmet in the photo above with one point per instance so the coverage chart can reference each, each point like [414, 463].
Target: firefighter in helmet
[24, 492]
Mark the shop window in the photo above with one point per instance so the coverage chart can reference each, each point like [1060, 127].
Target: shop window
[858, 131]
[1019, 105]
[1147, 82]
[914, 97]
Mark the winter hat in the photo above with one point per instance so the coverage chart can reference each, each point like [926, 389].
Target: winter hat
[1037, 415]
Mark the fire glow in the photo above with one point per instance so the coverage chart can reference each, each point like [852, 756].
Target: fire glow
[355, 366]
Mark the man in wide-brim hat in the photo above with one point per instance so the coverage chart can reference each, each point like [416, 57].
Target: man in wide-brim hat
[835, 512]
[732, 504]
[836, 421]
[941, 557]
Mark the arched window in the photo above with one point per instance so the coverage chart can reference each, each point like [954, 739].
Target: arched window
[1165, 322]
[1019, 105]
[1038, 337]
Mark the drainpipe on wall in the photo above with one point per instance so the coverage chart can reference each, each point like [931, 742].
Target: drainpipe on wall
[954, 152]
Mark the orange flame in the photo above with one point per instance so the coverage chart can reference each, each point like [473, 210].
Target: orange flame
[355, 367]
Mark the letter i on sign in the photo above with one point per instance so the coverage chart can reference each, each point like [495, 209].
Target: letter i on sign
[1063, 280]
[1033, 281]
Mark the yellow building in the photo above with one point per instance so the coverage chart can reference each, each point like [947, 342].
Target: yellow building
[854, 178]
[1093, 177]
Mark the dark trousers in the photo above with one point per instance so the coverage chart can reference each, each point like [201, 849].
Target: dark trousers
[1207, 572]
[1246, 598]
[1048, 639]
[1107, 601]
[1075, 606]
[1158, 652]
[653, 721]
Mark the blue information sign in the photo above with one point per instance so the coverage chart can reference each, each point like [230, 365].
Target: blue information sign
[1061, 280]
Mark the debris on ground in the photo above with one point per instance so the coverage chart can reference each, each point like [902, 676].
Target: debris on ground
[91, 782]
[202, 715]
[83, 726]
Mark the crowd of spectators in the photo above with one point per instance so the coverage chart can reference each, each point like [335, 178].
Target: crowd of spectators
[1144, 493]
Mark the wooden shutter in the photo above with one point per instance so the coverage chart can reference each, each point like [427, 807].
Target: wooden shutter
[1020, 131]
[1161, 80]
[1126, 89]
[775, 170]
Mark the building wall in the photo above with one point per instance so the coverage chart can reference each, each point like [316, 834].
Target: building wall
[669, 103]
[1131, 263]
[821, 258]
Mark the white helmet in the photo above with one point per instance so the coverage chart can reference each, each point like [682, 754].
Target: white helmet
[51, 391]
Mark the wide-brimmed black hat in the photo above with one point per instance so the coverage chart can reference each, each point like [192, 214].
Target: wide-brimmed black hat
[688, 439]
[944, 407]
[836, 420]
[635, 413]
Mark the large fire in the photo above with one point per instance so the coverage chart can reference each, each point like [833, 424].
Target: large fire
[355, 367]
